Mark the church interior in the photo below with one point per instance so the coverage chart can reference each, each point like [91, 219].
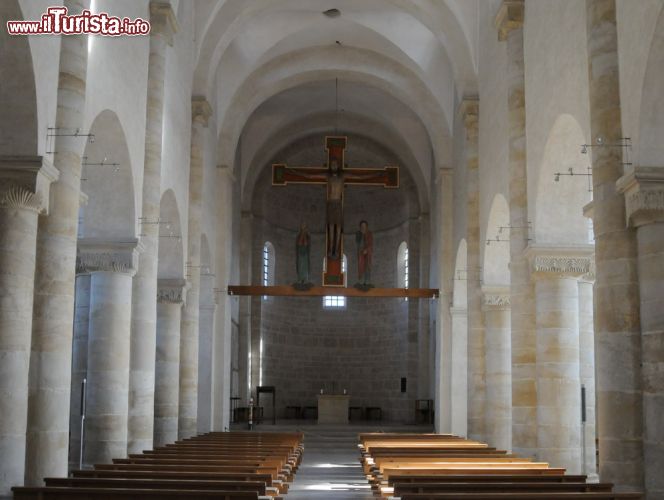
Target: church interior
[271, 236]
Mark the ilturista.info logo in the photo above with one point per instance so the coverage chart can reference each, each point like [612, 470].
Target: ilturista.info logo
[57, 21]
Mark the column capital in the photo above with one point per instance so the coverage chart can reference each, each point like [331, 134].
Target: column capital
[495, 298]
[643, 188]
[469, 111]
[25, 182]
[171, 290]
[444, 172]
[559, 261]
[163, 21]
[201, 111]
[509, 17]
[227, 171]
[97, 255]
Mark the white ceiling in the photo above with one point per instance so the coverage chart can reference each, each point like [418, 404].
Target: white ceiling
[269, 66]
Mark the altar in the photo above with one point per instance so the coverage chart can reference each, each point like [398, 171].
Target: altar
[333, 408]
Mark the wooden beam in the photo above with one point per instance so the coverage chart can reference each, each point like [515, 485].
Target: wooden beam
[321, 291]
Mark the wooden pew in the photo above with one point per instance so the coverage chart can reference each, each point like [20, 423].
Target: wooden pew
[76, 493]
[447, 467]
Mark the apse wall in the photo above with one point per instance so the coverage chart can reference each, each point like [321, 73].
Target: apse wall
[366, 347]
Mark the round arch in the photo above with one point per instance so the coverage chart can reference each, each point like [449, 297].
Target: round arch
[461, 277]
[19, 127]
[561, 198]
[649, 150]
[318, 64]
[171, 254]
[496, 259]
[108, 183]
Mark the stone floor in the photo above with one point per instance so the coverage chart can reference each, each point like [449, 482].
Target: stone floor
[330, 468]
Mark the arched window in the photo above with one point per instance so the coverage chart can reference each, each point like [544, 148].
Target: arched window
[334, 301]
[402, 266]
[268, 265]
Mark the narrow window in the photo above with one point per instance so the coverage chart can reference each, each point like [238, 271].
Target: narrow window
[334, 301]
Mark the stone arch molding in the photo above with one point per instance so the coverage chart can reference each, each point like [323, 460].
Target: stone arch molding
[561, 152]
[171, 247]
[107, 182]
[495, 270]
[19, 124]
[461, 277]
[443, 25]
[326, 64]
[649, 151]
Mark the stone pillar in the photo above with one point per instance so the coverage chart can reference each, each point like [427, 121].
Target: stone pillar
[643, 188]
[498, 350]
[476, 360]
[79, 362]
[111, 266]
[509, 23]
[200, 112]
[55, 273]
[144, 308]
[459, 383]
[443, 383]
[167, 366]
[617, 324]
[24, 194]
[422, 362]
[206, 334]
[556, 272]
[221, 343]
[587, 372]
[244, 350]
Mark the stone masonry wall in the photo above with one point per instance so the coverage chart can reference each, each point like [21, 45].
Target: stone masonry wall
[366, 347]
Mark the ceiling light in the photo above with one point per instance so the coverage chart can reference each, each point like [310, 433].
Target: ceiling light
[332, 13]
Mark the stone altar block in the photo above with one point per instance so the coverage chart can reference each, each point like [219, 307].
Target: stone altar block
[333, 409]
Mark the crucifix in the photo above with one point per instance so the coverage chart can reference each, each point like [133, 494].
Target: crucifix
[335, 176]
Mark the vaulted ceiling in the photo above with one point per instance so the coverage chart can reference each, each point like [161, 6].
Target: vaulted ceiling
[271, 67]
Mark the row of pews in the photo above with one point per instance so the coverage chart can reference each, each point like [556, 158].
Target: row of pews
[220, 466]
[445, 467]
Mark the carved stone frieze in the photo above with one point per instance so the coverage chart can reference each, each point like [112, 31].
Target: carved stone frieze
[200, 110]
[108, 256]
[163, 21]
[557, 264]
[644, 195]
[25, 182]
[510, 17]
[171, 291]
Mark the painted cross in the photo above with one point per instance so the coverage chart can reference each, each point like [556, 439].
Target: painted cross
[335, 176]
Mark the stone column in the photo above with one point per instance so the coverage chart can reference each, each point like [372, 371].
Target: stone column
[246, 226]
[476, 361]
[24, 194]
[111, 266]
[167, 366]
[509, 23]
[79, 362]
[556, 272]
[55, 273]
[498, 350]
[617, 324]
[587, 371]
[643, 188]
[221, 343]
[443, 387]
[459, 351]
[206, 334]
[144, 308]
[200, 112]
